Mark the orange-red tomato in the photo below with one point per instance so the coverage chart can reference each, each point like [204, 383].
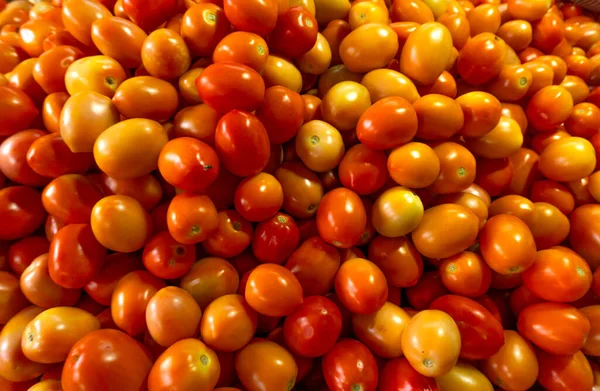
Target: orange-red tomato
[369, 47]
[341, 205]
[466, 274]
[565, 372]
[120, 39]
[457, 168]
[481, 59]
[361, 286]
[273, 290]
[439, 117]
[266, 365]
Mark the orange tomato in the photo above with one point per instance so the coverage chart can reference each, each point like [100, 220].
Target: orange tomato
[439, 117]
[569, 159]
[481, 59]
[368, 47]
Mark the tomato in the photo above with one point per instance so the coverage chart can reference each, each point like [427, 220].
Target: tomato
[242, 143]
[146, 189]
[350, 365]
[51, 334]
[315, 264]
[165, 54]
[14, 365]
[149, 18]
[47, 385]
[259, 17]
[10, 57]
[464, 377]
[517, 34]
[369, 47]
[50, 156]
[51, 110]
[258, 197]
[549, 107]
[578, 89]
[297, 25]
[397, 212]
[422, 160]
[189, 164]
[466, 274]
[584, 120]
[361, 286]
[50, 69]
[273, 290]
[398, 260]
[78, 17]
[244, 48]
[514, 205]
[199, 121]
[21, 253]
[548, 225]
[132, 231]
[165, 258]
[528, 10]
[507, 244]
[382, 330]
[282, 113]
[117, 265]
[398, 374]
[279, 71]
[568, 159]
[275, 239]
[131, 297]
[559, 67]
[555, 194]
[70, 198]
[481, 111]
[17, 110]
[99, 74]
[12, 296]
[422, 66]
[120, 39]
[109, 357]
[430, 238]
[265, 365]
[13, 158]
[231, 237]
[146, 97]
[313, 328]
[457, 168]
[567, 372]
[191, 218]
[228, 324]
[582, 235]
[21, 211]
[344, 103]
[430, 110]
[481, 59]
[341, 205]
[542, 278]
[202, 27]
[209, 279]
[526, 172]
[39, 288]
[302, 189]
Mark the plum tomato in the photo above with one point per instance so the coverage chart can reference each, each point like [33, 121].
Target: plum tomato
[341, 218]
[209, 279]
[166, 258]
[282, 113]
[295, 32]
[361, 286]
[275, 239]
[231, 237]
[21, 211]
[258, 197]
[273, 290]
[264, 363]
[398, 374]
[396, 212]
[350, 365]
[191, 218]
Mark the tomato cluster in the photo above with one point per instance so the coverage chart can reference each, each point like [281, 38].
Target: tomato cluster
[308, 195]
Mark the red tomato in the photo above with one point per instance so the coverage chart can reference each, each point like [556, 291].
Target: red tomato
[244, 48]
[429, 288]
[116, 266]
[313, 328]
[228, 86]
[266, 365]
[399, 375]
[70, 198]
[295, 32]
[341, 218]
[242, 142]
[21, 212]
[258, 197]
[254, 16]
[466, 274]
[273, 290]
[130, 299]
[275, 239]
[481, 334]
[282, 113]
[349, 365]
[231, 237]
[189, 164]
[361, 286]
[191, 218]
[363, 170]
[558, 275]
[165, 258]
[75, 256]
[50, 156]
[17, 110]
[13, 158]
[202, 27]
[149, 16]
[106, 360]
[554, 327]
[565, 373]
[583, 235]
[23, 252]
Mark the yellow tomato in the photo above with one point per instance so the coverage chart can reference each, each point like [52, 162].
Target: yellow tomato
[344, 103]
[328, 10]
[568, 159]
[279, 71]
[504, 140]
[367, 12]
[382, 83]
[317, 60]
[438, 7]
[101, 74]
[431, 343]
[320, 146]
[426, 53]
[382, 331]
[397, 212]
[308, 4]
[370, 46]
[464, 377]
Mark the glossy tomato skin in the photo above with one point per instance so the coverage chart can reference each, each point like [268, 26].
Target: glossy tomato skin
[166, 258]
[231, 237]
[343, 371]
[185, 365]
[562, 373]
[191, 218]
[275, 239]
[242, 143]
[313, 328]
[554, 327]
[70, 198]
[130, 299]
[399, 375]
[266, 365]
[252, 16]
[21, 212]
[361, 286]
[273, 290]
[558, 275]
[17, 110]
[11, 292]
[209, 279]
[296, 25]
[481, 59]
[341, 218]
[315, 264]
[23, 252]
[228, 86]
[106, 360]
[147, 16]
[115, 267]
[50, 156]
[13, 158]
[75, 256]
[481, 334]
[242, 47]
[282, 113]
[363, 170]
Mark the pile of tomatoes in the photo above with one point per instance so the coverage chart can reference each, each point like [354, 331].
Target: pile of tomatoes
[310, 195]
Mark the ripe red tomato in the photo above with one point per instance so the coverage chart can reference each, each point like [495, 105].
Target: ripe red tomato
[258, 197]
[17, 110]
[149, 16]
[275, 239]
[313, 328]
[341, 218]
[266, 364]
[166, 258]
[259, 17]
[273, 290]
[231, 237]
[361, 286]
[23, 252]
[466, 274]
[115, 267]
[566, 372]
[363, 170]
[399, 375]
[70, 198]
[295, 32]
[350, 365]
[230, 86]
[242, 142]
[105, 360]
[481, 334]
[191, 218]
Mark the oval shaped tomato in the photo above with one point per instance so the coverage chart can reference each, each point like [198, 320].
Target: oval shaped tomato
[361, 286]
[273, 290]
[481, 334]
[466, 274]
[259, 197]
[350, 365]
[252, 16]
[275, 239]
[13, 158]
[481, 59]
[17, 110]
[398, 259]
[104, 360]
[457, 168]
[165, 54]
[431, 342]
[120, 39]
[583, 234]
[50, 156]
[566, 372]
[297, 25]
[166, 258]
[369, 47]
[315, 264]
[396, 212]
[302, 189]
[209, 279]
[549, 108]
[337, 206]
[398, 374]
[558, 275]
[231, 237]
[423, 65]
[567, 160]
[12, 296]
[202, 27]
[244, 48]
[49, 336]
[229, 86]
[21, 212]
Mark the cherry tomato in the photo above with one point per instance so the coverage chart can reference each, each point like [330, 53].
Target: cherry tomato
[398, 260]
[457, 168]
[275, 239]
[228, 323]
[120, 39]
[553, 193]
[165, 258]
[191, 218]
[266, 365]
[466, 274]
[258, 197]
[259, 17]
[481, 59]
[273, 290]
[282, 113]
[313, 328]
[244, 48]
[361, 286]
[297, 25]
[350, 365]
[50, 156]
[231, 237]
[396, 212]
[432, 110]
[341, 205]
[548, 225]
[51, 67]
